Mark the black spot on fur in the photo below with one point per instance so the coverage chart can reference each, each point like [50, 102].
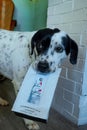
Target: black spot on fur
[21, 36]
[52, 53]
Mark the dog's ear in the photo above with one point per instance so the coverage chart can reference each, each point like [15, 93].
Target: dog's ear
[40, 45]
[40, 40]
[43, 44]
[73, 51]
[70, 48]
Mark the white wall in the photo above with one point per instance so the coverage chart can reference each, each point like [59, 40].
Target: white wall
[71, 16]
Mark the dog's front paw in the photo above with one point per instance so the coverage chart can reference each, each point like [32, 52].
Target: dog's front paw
[3, 102]
[31, 125]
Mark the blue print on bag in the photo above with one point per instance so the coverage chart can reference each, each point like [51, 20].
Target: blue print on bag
[36, 92]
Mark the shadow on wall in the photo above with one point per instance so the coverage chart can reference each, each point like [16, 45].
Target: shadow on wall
[30, 14]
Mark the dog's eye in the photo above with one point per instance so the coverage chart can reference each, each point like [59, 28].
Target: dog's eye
[59, 49]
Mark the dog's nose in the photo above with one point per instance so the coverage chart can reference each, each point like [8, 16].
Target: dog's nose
[43, 66]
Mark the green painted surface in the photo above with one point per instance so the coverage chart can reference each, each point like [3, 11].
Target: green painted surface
[30, 14]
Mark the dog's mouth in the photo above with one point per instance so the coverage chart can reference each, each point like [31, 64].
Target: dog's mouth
[42, 67]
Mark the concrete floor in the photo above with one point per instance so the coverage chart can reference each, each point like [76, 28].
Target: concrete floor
[8, 120]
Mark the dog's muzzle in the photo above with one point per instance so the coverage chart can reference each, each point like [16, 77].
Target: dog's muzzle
[43, 66]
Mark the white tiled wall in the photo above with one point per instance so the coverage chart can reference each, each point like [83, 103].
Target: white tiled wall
[71, 16]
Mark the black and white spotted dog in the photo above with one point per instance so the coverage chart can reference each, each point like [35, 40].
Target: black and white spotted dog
[45, 48]
[52, 48]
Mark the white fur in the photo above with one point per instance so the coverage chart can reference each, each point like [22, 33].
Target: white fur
[15, 60]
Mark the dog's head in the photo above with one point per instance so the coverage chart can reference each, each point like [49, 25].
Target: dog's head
[51, 48]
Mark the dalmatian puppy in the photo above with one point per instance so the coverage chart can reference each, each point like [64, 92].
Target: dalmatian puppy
[44, 48]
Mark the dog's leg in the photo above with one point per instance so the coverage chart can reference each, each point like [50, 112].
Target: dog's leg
[16, 86]
[31, 125]
[3, 102]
